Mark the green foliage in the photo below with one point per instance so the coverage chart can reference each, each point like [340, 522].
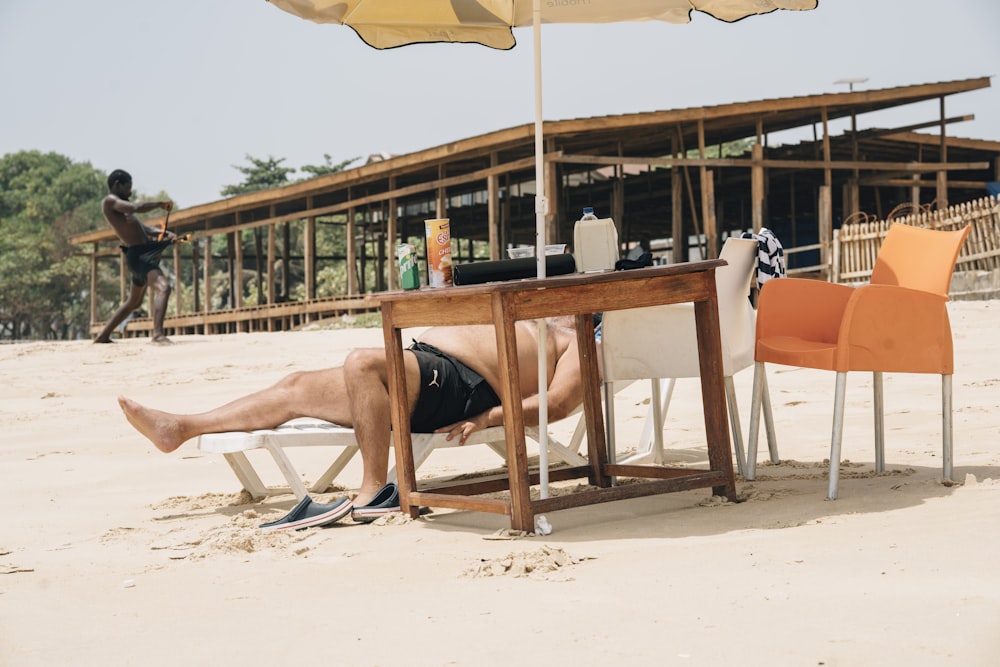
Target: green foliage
[45, 198]
[326, 168]
[259, 175]
[267, 174]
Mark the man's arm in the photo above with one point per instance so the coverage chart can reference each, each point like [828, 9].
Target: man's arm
[128, 208]
[564, 395]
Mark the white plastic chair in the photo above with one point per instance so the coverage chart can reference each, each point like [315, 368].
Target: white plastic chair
[660, 343]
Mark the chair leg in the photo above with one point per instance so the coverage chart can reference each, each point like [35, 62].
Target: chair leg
[248, 477]
[287, 469]
[650, 449]
[879, 406]
[750, 471]
[947, 426]
[838, 435]
[323, 483]
[772, 440]
[657, 417]
[734, 423]
[609, 420]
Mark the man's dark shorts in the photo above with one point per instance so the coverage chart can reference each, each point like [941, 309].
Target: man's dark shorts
[449, 390]
[141, 259]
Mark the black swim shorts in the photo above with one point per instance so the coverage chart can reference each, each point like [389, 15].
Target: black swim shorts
[449, 390]
[141, 259]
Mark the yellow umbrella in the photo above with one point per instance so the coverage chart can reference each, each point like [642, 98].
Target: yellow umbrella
[386, 24]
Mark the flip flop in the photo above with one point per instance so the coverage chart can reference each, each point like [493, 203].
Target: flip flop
[385, 501]
[307, 514]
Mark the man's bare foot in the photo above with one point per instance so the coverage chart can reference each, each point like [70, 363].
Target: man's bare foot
[161, 428]
[366, 493]
[161, 340]
[103, 340]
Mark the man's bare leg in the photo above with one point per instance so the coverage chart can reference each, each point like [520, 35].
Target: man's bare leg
[160, 287]
[318, 394]
[134, 301]
[366, 377]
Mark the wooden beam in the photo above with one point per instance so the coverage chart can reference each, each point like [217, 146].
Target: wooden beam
[890, 133]
[770, 163]
[915, 182]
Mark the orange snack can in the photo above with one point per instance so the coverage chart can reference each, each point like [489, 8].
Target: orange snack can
[438, 232]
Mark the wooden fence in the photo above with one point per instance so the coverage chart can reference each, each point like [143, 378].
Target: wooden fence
[855, 245]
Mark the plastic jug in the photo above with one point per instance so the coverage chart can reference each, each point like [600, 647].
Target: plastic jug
[595, 243]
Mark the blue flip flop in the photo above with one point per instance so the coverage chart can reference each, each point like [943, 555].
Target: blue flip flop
[307, 514]
[385, 501]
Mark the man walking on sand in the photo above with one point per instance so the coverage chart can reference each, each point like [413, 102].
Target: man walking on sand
[452, 377]
[142, 250]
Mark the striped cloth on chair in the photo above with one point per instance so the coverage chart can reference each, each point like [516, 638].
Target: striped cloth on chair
[770, 255]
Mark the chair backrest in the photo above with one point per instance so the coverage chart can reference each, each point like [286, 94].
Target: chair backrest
[918, 258]
[661, 341]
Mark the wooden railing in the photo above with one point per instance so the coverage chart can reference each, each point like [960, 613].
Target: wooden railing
[270, 317]
[855, 245]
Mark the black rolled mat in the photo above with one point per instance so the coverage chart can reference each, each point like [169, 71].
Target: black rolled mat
[476, 273]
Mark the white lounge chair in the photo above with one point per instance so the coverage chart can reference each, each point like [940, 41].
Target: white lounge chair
[318, 433]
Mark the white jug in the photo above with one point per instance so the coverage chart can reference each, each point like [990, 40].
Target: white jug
[595, 244]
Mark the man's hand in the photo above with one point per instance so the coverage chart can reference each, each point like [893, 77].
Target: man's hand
[167, 205]
[465, 428]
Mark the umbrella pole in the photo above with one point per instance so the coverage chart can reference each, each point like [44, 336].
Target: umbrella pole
[541, 209]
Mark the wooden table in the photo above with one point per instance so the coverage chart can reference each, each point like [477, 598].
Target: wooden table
[579, 295]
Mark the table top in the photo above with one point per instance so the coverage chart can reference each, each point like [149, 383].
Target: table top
[592, 292]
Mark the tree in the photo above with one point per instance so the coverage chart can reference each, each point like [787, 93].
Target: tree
[259, 175]
[44, 200]
[327, 168]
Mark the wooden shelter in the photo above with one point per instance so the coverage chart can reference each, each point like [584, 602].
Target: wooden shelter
[685, 178]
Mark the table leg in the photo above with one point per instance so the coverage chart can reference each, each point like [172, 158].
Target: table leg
[521, 515]
[593, 415]
[713, 391]
[406, 476]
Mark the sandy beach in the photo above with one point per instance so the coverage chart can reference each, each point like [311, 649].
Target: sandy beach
[112, 553]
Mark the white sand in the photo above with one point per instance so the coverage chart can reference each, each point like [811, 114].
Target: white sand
[112, 553]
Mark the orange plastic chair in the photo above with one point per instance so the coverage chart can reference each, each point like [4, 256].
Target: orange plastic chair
[898, 323]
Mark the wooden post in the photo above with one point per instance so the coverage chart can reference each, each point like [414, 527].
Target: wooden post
[392, 232]
[827, 172]
[552, 194]
[708, 213]
[825, 228]
[93, 284]
[270, 258]
[178, 301]
[238, 274]
[442, 198]
[676, 215]
[493, 209]
[286, 257]
[352, 253]
[707, 195]
[309, 255]
[195, 278]
[757, 187]
[942, 176]
[207, 275]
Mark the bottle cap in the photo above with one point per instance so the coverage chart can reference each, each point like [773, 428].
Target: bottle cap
[587, 209]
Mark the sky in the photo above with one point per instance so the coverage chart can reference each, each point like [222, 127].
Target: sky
[179, 93]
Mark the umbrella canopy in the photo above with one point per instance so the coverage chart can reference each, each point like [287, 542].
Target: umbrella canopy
[386, 24]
